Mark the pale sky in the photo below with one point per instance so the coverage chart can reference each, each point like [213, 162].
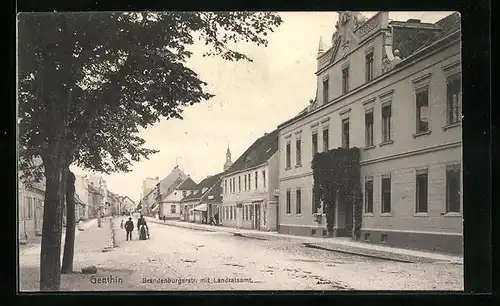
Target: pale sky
[250, 100]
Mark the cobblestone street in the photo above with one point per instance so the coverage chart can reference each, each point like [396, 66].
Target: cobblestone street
[186, 259]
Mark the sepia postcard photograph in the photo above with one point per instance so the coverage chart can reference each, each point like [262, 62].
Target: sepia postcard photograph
[239, 151]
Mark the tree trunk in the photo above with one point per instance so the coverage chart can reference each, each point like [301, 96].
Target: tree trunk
[50, 254]
[69, 242]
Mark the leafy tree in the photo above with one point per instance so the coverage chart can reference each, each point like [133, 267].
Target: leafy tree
[88, 81]
[337, 181]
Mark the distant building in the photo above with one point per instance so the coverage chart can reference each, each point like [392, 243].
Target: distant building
[249, 198]
[194, 207]
[228, 162]
[393, 89]
[162, 188]
[128, 205]
[82, 193]
[149, 184]
[31, 197]
[170, 202]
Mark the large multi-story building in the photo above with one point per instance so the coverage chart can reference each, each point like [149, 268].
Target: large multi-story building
[248, 187]
[392, 89]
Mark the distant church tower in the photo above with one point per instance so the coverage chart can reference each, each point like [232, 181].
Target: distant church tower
[228, 162]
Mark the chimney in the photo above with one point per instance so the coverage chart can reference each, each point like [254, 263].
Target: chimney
[413, 20]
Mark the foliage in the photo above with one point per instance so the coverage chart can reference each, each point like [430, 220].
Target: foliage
[337, 173]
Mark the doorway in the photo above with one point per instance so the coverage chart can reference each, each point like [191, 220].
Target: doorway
[257, 216]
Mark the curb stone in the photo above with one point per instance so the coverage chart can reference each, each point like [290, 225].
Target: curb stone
[359, 251]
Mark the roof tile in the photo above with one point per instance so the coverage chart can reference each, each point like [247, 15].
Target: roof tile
[259, 152]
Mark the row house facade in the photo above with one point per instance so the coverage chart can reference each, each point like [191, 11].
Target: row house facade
[171, 202]
[128, 205]
[392, 89]
[31, 198]
[162, 190]
[200, 204]
[249, 187]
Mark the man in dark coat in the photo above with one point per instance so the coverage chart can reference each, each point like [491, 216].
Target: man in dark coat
[129, 227]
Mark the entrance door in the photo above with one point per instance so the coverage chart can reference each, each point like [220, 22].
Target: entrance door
[257, 216]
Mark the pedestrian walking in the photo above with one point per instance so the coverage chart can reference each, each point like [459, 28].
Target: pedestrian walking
[129, 227]
[121, 224]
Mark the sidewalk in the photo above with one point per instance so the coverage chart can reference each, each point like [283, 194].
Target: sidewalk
[33, 246]
[88, 251]
[344, 245]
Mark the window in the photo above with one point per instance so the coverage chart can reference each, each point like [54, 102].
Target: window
[325, 140]
[298, 202]
[231, 185]
[422, 100]
[298, 153]
[245, 213]
[245, 181]
[325, 91]
[264, 178]
[454, 99]
[421, 191]
[225, 186]
[369, 128]
[239, 182]
[386, 194]
[288, 155]
[172, 209]
[234, 184]
[386, 122]
[369, 66]
[256, 179]
[251, 212]
[249, 184]
[184, 193]
[288, 202]
[315, 143]
[231, 213]
[345, 133]
[453, 189]
[345, 80]
[369, 195]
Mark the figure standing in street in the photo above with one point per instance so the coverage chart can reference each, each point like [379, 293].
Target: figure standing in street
[129, 227]
[143, 229]
[121, 224]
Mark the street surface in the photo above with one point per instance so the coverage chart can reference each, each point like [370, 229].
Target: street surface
[185, 259]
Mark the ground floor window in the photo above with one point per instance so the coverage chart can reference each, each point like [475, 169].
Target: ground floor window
[386, 194]
[453, 188]
[288, 202]
[421, 191]
[172, 209]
